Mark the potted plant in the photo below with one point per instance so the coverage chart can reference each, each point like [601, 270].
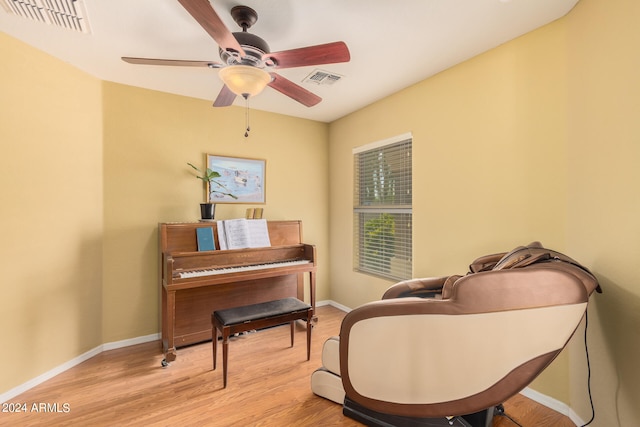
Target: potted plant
[208, 209]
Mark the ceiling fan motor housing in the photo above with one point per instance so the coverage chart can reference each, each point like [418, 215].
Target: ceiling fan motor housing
[254, 47]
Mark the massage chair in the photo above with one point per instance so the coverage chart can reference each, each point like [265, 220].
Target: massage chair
[449, 351]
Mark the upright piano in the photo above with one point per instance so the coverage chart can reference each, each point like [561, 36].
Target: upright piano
[195, 283]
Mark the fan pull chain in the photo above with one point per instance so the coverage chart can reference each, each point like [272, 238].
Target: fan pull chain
[246, 134]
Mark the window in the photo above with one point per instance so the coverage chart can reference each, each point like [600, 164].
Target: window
[382, 212]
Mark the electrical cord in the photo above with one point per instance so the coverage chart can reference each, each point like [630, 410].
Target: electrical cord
[511, 419]
[586, 351]
[499, 411]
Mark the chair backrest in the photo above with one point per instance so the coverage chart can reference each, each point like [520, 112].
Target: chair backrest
[524, 256]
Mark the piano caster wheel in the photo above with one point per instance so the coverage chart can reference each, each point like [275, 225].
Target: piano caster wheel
[164, 363]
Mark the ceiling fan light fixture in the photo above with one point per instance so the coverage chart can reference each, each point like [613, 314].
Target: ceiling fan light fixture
[244, 80]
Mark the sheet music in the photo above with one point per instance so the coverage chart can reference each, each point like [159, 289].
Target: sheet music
[242, 233]
[258, 233]
[237, 233]
[222, 238]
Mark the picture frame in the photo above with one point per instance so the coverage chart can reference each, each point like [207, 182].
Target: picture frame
[242, 177]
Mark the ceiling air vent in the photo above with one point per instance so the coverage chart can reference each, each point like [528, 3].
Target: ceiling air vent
[320, 77]
[70, 14]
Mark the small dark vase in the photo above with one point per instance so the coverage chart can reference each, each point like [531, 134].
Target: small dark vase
[207, 210]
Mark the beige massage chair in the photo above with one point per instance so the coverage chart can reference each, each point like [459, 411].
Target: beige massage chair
[448, 351]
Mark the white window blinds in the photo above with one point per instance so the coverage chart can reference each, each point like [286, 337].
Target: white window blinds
[382, 211]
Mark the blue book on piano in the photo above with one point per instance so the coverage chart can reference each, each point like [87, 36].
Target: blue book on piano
[205, 239]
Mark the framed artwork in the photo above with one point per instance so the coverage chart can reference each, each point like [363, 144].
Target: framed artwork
[244, 178]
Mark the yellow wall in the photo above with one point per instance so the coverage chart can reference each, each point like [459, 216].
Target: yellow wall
[604, 203]
[486, 176]
[89, 169]
[149, 138]
[51, 178]
[536, 139]
[489, 149]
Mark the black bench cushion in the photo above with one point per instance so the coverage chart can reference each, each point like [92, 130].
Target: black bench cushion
[263, 310]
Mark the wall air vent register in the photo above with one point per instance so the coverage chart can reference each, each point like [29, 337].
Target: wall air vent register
[69, 14]
[321, 77]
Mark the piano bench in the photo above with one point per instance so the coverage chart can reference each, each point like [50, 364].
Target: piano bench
[245, 318]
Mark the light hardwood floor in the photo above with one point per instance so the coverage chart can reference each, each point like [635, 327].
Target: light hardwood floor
[268, 385]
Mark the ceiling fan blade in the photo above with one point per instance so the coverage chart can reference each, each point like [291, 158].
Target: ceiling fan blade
[329, 53]
[225, 97]
[292, 90]
[174, 62]
[203, 12]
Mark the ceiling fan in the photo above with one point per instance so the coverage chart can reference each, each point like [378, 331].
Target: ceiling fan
[247, 63]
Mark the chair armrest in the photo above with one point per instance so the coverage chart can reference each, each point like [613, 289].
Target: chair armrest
[423, 288]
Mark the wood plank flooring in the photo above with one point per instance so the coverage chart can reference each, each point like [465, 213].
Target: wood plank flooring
[268, 385]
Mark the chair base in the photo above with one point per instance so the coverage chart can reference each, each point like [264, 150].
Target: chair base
[377, 419]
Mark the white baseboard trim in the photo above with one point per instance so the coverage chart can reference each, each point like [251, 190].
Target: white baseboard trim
[333, 304]
[49, 374]
[8, 395]
[575, 418]
[131, 341]
[552, 403]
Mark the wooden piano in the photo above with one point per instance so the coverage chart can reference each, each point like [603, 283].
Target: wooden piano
[194, 283]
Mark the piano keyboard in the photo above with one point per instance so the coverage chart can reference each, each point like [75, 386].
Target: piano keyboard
[227, 270]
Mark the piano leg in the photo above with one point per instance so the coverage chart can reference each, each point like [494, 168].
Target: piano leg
[312, 293]
[168, 320]
[171, 355]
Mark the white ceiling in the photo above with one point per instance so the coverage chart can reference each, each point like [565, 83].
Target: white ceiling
[393, 44]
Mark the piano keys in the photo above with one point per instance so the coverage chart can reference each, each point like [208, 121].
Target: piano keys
[226, 270]
[194, 284]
